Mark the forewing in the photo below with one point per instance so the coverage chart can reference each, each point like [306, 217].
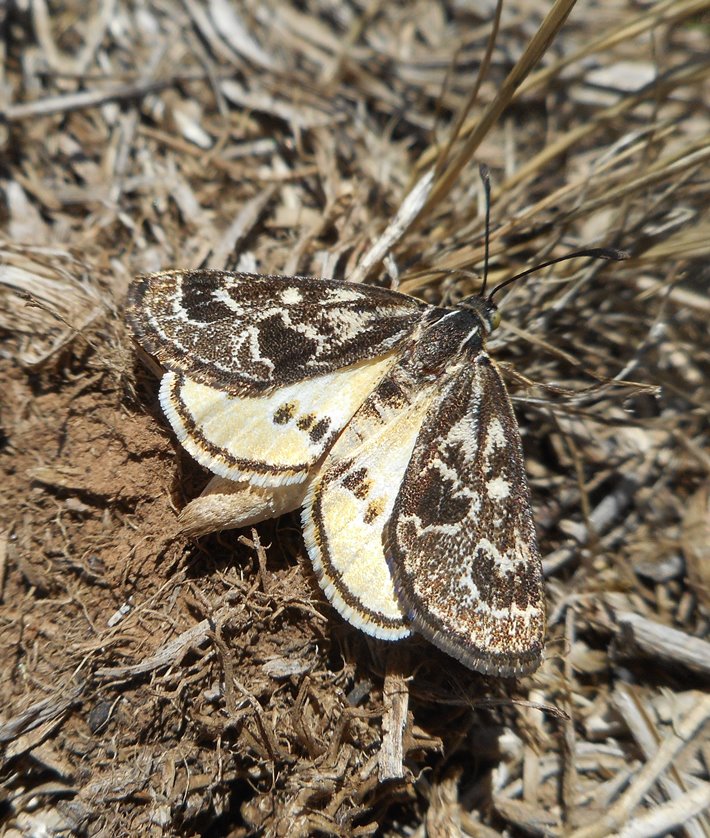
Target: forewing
[351, 500]
[268, 440]
[461, 538]
[248, 333]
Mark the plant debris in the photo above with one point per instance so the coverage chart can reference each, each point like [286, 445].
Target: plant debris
[154, 683]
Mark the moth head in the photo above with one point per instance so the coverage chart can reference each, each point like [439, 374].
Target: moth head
[486, 310]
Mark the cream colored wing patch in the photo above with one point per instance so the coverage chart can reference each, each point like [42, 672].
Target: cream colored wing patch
[272, 439]
[350, 501]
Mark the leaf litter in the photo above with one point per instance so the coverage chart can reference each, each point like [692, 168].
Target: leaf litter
[157, 684]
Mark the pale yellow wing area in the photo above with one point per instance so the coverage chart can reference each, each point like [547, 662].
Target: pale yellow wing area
[351, 499]
[272, 439]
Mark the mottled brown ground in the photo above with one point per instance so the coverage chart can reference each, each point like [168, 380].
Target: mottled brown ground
[150, 685]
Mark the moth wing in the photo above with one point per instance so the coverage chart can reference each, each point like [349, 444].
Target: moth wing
[246, 334]
[271, 439]
[350, 501]
[461, 537]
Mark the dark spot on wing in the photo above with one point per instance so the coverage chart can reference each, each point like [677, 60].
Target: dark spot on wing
[437, 501]
[357, 483]
[373, 511]
[319, 430]
[284, 414]
[389, 391]
[306, 421]
[497, 589]
[199, 301]
[284, 346]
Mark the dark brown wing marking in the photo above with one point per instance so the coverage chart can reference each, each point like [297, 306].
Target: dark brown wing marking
[247, 333]
[461, 538]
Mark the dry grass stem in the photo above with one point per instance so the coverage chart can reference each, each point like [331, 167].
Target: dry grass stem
[156, 680]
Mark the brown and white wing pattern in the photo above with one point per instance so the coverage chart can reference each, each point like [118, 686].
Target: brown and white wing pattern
[460, 541]
[264, 372]
[389, 418]
[245, 334]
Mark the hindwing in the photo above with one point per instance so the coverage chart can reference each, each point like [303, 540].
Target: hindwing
[350, 501]
[272, 439]
[461, 539]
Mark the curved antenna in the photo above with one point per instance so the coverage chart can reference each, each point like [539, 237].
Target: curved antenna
[485, 174]
[594, 253]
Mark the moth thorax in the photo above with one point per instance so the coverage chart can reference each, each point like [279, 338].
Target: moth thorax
[458, 331]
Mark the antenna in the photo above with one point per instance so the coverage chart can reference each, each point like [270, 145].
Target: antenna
[485, 174]
[594, 253]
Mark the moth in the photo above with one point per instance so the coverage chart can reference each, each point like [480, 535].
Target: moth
[383, 417]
